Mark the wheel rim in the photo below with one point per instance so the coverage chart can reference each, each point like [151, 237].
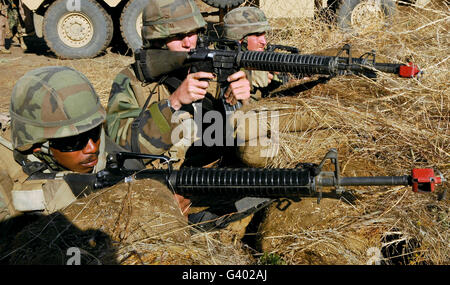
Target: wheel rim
[368, 16]
[75, 30]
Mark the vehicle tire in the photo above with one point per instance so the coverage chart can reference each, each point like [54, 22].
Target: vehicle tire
[361, 16]
[131, 23]
[224, 3]
[77, 32]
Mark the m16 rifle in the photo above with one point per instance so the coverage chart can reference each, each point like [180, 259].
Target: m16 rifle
[306, 179]
[152, 64]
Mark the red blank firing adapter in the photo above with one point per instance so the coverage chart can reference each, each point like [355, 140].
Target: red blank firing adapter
[409, 70]
[424, 180]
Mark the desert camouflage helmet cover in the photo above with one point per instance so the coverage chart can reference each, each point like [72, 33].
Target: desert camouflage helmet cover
[165, 18]
[243, 21]
[52, 102]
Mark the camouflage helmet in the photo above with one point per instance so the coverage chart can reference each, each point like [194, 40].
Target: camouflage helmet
[52, 102]
[243, 21]
[164, 18]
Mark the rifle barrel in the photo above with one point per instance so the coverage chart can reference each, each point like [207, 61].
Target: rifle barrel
[366, 181]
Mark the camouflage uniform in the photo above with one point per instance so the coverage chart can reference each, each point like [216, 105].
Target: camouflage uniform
[55, 102]
[238, 24]
[46, 103]
[126, 99]
[3, 23]
[257, 149]
[128, 94]
[163, 19]
[19, 20]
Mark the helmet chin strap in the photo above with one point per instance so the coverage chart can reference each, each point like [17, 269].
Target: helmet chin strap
[244, 43]
[45, 155]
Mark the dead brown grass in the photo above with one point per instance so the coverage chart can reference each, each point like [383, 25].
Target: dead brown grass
[136, 223]
[382, 127]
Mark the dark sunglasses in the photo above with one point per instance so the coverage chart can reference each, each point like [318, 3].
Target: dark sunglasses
[76, 143]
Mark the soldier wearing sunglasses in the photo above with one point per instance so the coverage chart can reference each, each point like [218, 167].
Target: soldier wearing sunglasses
[56, 128]
[78, 153]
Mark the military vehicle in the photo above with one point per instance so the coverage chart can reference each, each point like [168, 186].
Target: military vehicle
[84, 28]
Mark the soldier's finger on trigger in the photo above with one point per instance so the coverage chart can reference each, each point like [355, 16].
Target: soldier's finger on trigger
[202, 84]
[236, 76]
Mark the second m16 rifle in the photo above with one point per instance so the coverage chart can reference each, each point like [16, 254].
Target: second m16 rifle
[152, 64]
[306, 179]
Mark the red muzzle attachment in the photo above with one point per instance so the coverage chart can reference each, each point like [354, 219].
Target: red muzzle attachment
[424, 180]
[409, 70]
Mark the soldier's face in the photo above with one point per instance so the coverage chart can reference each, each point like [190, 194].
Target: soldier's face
[78, 153]
[256, 42]
[184, 42]
[82, 161]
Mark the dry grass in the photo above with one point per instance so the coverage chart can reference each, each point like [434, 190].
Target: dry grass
[128, 224]
[100, 71]
[382, 127]
[203, 248]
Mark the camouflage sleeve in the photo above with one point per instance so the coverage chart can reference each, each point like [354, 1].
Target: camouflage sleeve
[125, 102]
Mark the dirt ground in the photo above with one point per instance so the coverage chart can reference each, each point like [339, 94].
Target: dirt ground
[100, 71]
[16, 64]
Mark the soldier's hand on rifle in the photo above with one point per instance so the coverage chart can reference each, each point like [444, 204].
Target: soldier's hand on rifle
[239, 88]
[192, 89]
[270, 77]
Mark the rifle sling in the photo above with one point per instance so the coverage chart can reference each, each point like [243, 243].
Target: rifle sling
[139, 67]
[28, 166]
[173, 83]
